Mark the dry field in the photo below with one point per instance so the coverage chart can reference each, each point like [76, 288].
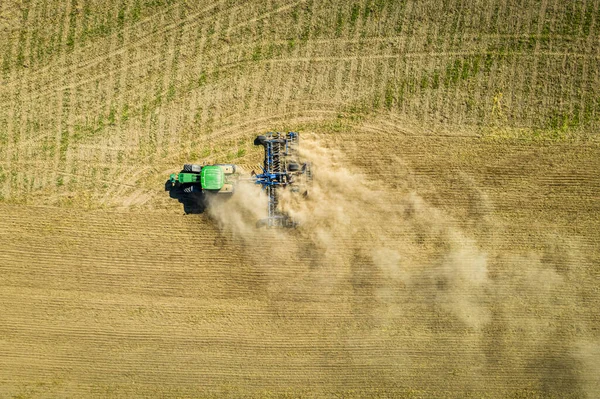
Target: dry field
[450, 246]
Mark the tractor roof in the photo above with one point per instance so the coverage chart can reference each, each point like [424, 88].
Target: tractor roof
[212, 177]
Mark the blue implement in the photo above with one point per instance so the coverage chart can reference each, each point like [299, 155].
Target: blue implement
[280, 170]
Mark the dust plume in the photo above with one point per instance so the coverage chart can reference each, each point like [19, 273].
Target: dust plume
[238, 213]
[388, 255]
[349, 220]
[588, 353]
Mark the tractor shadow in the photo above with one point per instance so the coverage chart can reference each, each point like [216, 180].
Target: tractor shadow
[193, 203]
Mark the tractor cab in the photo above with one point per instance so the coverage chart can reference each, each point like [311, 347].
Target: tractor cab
[209, 178]
[212, 177]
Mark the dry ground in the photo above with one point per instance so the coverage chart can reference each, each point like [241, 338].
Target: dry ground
[450, 249]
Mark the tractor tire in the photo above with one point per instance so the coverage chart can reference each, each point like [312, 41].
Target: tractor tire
[293, 167]
[190, 189]
[192, 168]
[228, 169]
[260, 140]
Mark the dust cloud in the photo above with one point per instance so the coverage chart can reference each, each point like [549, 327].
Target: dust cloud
[588, 353]
[402, 261]
[238, 213]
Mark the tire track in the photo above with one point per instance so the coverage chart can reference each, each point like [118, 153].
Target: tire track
[73, 86]
[103, 55]
[188, 23]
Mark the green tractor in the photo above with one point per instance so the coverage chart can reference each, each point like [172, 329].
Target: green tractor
[282, 170]
[209, 179]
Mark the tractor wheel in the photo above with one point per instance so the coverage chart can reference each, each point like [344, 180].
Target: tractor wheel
[191, 168]
[189, 189]
[260, 140]
[293, 167]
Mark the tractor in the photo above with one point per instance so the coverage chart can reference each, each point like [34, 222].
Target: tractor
[210, 179]
[281, 169]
